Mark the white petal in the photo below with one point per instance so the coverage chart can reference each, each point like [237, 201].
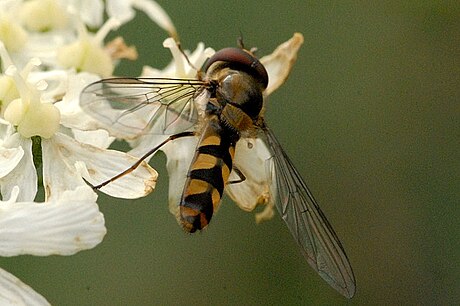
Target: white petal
[24, 174]
[90, 11]
[13, 197]
[157, 15]
[252, 158]
[55, 83]
[148, 71]
[280, 62]
[180, 154]
[9, 159]
[120, 9]
[102, 165]
[15, 292]
[6, 129]
[72, 115]
[59, 175]
[144, 143]
[62, 227]
[97, 138]
[197, 58]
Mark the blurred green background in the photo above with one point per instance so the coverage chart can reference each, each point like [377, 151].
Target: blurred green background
[370, 117]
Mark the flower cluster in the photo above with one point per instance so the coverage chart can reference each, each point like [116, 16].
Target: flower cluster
[48, 56]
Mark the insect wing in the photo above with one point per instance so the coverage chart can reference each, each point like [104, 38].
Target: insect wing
[308, 224]
[129, 107]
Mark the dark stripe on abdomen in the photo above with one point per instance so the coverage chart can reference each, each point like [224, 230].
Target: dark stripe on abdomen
[212, 176]
[208, 174]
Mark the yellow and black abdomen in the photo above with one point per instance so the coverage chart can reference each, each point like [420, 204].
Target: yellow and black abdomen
[208, 174]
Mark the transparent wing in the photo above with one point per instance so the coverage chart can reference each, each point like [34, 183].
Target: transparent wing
[129, 107]
[308, 224]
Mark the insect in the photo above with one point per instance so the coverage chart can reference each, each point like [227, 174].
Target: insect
[221, 108]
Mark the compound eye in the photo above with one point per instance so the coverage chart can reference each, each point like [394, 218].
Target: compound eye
[241, 59]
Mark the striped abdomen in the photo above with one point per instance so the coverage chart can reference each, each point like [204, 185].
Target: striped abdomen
[208, 174]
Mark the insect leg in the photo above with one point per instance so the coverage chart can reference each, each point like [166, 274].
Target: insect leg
[240, 174]
[142, 158]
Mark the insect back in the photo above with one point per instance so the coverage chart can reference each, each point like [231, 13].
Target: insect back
[233, 109]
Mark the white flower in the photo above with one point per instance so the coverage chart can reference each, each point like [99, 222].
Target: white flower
[38, 38]
[13, 35]
[55, 32]
[88, 53]
[91, 12]
[65, 160]
[179, 66]
[64, 226]
[35, 29]
[43, 15]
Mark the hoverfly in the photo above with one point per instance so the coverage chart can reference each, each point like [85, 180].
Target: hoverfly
[221, 108]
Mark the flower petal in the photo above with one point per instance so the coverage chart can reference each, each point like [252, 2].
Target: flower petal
[156, 13]
[180, 154]
[9, 159]
[199, 56]
[121, 10]
[196, 58]
[65, 226]
[97, 138]
[252, 158]
[100, 165]
[15, 292]
[90, 11]
[280, 62]
[72, 116]
[59, 174]
[145, 143]
[24, 174]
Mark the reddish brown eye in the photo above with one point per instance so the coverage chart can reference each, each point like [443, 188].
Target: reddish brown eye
[241, 59]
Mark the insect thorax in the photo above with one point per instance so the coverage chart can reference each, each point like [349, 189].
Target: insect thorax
[238, 98]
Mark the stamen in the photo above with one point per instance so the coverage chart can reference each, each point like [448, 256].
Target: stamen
[21, 85]
[177, 55]
[31, 64]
